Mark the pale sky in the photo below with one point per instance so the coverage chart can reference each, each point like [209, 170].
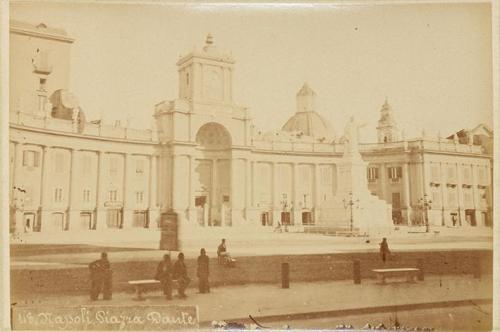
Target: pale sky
[432, 61]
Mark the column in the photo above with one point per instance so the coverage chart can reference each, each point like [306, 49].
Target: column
[128, 194]
[74, 212]
[475, 195]
[406, 193]
[16, 195]
[317, 193]
[460, 196]
[153, 193]
[254, 184]
[297, 217]
[214, 211]
[180, 187]
[248, 190]
[45, 194]
[277, 208]
[192, 182]
[227, 84]
[383, 182]
[101, 193]
[444, 199]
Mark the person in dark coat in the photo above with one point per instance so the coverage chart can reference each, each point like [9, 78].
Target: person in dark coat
[180, 274]
[384, 250]
[202, 272]
[164, 274]
[100, 278]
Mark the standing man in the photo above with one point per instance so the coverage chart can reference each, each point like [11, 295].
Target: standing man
[202, 272]
[164, 274]
[222, 252]
[100, 277]
[384, 249]
[180, 273]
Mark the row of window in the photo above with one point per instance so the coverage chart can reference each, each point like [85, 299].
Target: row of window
[31, 158]
[452, 196]
[393, 173]
[112, 196]
[450, 174]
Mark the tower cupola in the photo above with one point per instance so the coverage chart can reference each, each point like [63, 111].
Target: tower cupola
[387, 129]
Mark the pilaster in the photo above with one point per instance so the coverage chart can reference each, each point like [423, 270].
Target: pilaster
[74, 212]
[128, 195]
[44, 192]
[406, 193]
[100, 193]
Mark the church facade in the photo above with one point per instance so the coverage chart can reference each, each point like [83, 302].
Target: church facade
[205, 160]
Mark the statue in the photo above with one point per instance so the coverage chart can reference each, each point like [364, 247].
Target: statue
[351, 134]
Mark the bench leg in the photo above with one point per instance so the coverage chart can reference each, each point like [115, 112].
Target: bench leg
[138, 293]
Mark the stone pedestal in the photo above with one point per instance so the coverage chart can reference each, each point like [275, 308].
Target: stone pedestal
[370, 214]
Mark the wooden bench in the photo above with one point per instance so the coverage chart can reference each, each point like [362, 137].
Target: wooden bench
[410, 273]
[140, 286]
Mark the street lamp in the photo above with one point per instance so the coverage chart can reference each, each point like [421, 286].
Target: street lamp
[425, 205]
[284, 202]
[349, 204]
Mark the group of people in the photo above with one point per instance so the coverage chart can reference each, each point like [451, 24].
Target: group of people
[101, 273]
[166, 272]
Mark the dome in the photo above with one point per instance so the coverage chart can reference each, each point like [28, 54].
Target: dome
[310, 124]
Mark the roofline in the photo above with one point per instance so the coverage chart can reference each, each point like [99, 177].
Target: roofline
[30, 30]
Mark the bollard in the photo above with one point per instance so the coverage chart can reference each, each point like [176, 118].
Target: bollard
[356, 272]
[285, 275]
[420, 266]
[476, 267]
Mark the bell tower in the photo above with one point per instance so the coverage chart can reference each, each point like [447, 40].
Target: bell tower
[206, 75]
[387, 129]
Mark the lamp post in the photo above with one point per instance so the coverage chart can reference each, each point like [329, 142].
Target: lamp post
[284, 205]
[425, 205]
[350, 204]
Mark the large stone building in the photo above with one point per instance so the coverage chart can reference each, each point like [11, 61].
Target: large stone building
[206, 161]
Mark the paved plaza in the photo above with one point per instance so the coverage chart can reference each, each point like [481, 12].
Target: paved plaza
[39, 252]
[269, 302]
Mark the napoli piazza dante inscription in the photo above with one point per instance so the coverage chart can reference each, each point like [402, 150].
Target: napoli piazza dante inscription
[110, 318]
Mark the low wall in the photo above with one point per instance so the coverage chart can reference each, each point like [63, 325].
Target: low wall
[257, 269]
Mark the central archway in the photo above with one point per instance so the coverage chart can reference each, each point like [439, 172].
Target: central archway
[212, 187]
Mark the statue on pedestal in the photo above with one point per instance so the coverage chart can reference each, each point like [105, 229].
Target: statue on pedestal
[351, 135]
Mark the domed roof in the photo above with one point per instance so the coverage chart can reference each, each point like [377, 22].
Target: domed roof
[310, 124]
[306, 120]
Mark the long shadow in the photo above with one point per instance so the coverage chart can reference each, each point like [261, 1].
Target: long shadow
[20, 250]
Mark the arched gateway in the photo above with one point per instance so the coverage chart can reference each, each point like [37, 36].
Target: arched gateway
[212, 185]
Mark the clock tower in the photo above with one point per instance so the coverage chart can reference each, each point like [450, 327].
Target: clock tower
[206, 75]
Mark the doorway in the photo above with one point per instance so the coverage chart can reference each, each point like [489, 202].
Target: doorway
[140, 219]
[285, 218]
[470, 217]
[114, 218]
[307, 218]
[58, 221]
[29, 222]
[200, 205]
[86, 221]
[264, 218]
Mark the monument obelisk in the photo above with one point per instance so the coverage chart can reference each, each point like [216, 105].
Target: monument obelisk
[354, 207]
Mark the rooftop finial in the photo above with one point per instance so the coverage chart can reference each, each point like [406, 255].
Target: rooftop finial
[209, 40]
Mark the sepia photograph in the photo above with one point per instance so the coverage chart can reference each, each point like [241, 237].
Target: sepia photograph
[249, 166]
